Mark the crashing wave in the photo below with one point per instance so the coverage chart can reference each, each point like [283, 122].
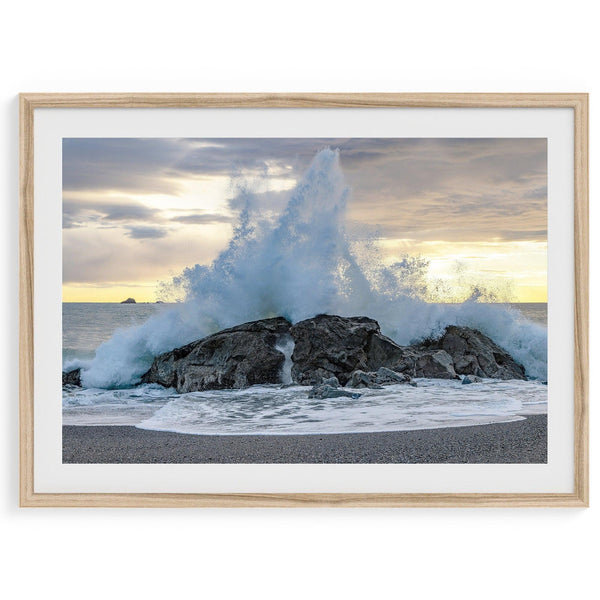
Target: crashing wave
[298, 264]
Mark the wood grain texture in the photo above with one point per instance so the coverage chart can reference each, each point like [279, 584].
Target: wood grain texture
[577, 102]
[581, 339]
[26, 376]
[305, 500]
[317, 100]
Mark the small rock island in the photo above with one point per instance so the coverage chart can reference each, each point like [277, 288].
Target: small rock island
[129, 301]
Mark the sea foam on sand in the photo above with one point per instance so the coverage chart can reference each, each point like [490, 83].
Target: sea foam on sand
[274, 410]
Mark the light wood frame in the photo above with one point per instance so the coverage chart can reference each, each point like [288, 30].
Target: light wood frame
[577, 102]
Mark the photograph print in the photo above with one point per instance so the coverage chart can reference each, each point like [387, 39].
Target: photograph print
[304, 300]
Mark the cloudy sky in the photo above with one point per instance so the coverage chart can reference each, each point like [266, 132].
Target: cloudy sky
[137, 211]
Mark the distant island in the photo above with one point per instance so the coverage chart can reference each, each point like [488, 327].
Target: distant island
[129, 301]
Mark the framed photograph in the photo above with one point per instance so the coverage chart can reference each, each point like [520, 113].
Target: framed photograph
[304, 300]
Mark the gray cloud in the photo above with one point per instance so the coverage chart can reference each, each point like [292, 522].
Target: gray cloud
[126, 212]
[456, 190]
[132, 165]
[80, 213]
[146, 232]
[540, 193]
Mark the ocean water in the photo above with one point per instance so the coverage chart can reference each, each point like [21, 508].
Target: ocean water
[273, 409]
[297, 262]
[86, 325]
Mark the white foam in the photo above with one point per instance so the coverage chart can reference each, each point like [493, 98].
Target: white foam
[267, 410]
[92, 406]
[288, 410]
[286, 347]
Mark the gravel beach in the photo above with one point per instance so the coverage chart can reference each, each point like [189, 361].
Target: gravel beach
[517, 442]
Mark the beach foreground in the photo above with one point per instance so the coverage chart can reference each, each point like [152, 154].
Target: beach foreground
[516, 442]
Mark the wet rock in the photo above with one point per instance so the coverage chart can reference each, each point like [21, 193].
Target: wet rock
[376, 381]
[329, 345]
[360, 379]
[72, 377]
[385, 376]
[329, 351]
[474, 353]
[468, 379]
[330, 388]
[323, 391]
[233, 358]
[435, 364]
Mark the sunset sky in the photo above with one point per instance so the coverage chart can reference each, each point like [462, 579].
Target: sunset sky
[137, 211]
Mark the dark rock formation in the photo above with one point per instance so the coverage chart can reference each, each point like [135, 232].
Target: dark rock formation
[473, 353]
[129, 301]
[436, 364]
[328, 345]
[418, 361]
[72, 377]
[468, 379]
[329, 351]
[233, 358]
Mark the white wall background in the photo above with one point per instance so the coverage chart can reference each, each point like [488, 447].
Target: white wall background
[459, 46]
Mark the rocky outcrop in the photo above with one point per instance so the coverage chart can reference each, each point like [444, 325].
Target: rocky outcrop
[233, 358]
[129, 301]
[72, 377]
[338, 346]
[328, 345]
[329, 352]
[474, 353]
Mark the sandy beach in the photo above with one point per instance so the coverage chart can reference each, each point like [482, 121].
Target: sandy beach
[516, 442]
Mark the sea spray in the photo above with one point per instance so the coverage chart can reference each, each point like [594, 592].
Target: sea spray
[286, 347]
[297, 264]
